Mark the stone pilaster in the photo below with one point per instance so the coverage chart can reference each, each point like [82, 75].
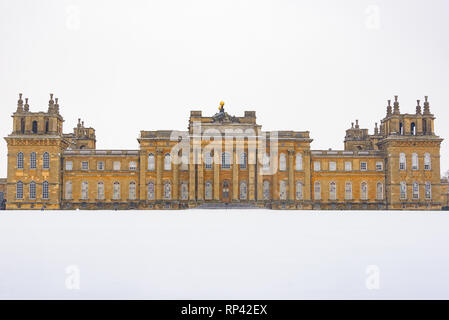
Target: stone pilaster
[200, 195]
[252, 174]
[142, 170]
[159, 168]
[175, 170]
[235, 177]
[216, 176]
[291, 182]
[192, 177]
[307, 176]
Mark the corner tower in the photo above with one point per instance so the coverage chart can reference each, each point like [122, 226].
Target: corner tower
[34, 157]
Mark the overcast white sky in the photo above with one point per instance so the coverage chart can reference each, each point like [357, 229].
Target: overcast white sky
[126, 66]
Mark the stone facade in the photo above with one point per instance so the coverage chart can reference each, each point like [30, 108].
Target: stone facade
[224, 160]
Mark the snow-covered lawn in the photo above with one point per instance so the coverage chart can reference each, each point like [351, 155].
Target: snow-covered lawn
[218, 254]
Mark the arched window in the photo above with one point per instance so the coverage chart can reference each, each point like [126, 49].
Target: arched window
[332, 191]
[33, 160]
[167, 161]
[427, 162]
[243, 160]
[184, 191]
[150, 191]
[132, 190]
[414, 161]
[402, 161]
[208, 191]
[348, 191]
[19, 190]
[403, 190]
[225, 160]
[132, 166]
[428, 191]
[22, 125]
[151, 161]
[32, 190]
[46, 160]
[167, 190]
[283, 190]
[243, 190]
[46, 126]
[299, 195]
[34, 126]
[68, 190]
[415, 190]
[364, 191]
[401, 128]
[298, 162]
[282, 162]
[116, 191]
[84, 190]
[20, 160]
[424, 126]
[413, 129]
[45, 191]
[208, 160]
[266, 190]
[317, 191]
[100, 190]
[380, 191]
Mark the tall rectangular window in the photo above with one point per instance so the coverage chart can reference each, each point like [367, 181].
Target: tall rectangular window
[20, 160]
[363, 166]
[85, 165]
[317, 166]
[32, 190]
[348, 165]
[46, 160]
[68, 190]
[33, 160]
[100, 191]
[403, 190]
[379, 166]
[45, 190]
[84, 190]
[414, 161]
[19, 190]
[415, 190]
[427, 162]
[428, 191]
[100, 165]
[348, 191]
[69, 165]
[402, 161]
[332, 166]
[317, 191]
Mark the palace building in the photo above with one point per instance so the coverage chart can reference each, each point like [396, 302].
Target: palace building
[224, 161]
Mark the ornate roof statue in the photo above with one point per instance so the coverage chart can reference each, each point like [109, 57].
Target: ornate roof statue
[223, 116]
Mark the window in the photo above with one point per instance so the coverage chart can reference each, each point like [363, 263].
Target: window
[69, 165]
[150, 191]
[46, 126]
[34, 127]
[332, 166]
[243, 190]
[402, 161]
[299, 194]
[363, 166]
[379, 166]
[116, 191]
[19, 190]
[132, 166]
[380, 191]
[151, 161]
[167, 162]
[68, 190]
[45, 193]
[364, 191]
[225, 160]
[100, 165]
[32, 190]
[184, 191]
[116, 165]
[283, 190]
[132, 190]
[414, 161]
[282, 162]
[348, 166]
[266, 162]
[317, 191]
[415, 193]
[298, 162]
[266, 190]
[20, 160]
[33, 160]
[85, 165]
[100, 191]
[46, 160]
[317, 166]
[167, 190]
[413, 129]
[428, 191]
[427, 162]
[348, 191]
[84, 190]
[184, 162]
[208, 191]
[332, 191]
[208, 160]
[403, 190]
[243, 160]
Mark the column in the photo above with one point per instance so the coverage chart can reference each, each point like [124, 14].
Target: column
[251, 174]
[291, 182]
[216, 176]
[235, 176]
[175, 168]
[259, 177]
[200, 195]
[191, 176]
[159, 174]
[307, 178]
[142, 169]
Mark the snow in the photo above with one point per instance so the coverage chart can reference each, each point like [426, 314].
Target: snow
[224, 254]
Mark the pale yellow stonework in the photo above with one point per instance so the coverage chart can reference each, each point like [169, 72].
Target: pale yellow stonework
[365, 175]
